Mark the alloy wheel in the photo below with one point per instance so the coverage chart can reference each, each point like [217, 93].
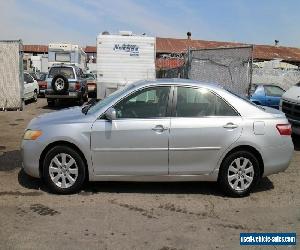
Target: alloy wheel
[63, 170]
[240, 174]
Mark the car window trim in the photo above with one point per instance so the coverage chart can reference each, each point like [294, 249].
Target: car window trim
[169, 104]
[210, 116]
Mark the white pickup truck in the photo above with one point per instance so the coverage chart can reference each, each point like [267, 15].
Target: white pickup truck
[290, 105]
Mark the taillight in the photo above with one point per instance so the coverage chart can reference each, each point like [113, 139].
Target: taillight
[284, 129]
[77, 85]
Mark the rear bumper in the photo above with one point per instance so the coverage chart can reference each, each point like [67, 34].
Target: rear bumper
[50, 94]
[92, 87]
[277, 158]
[42, 91]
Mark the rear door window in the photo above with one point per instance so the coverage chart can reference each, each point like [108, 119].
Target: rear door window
[200, 102]
[65, 71]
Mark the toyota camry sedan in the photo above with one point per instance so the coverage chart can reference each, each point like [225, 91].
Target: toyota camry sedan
[164, 130]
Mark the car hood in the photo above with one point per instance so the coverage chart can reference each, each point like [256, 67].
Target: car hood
[292, 94]
[64, 116]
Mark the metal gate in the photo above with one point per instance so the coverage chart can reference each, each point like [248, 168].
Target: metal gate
[230, 67]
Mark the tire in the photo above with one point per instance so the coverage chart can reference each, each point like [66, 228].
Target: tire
[51, 103]
[35, 96]
[80, 101]
[236, 169]
[86, 98]
[63, 179]
[60, 84]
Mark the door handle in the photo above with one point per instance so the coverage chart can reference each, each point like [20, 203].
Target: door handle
[230, 125]
[159, 128]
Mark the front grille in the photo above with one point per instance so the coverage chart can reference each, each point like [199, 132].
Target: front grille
[291, 110]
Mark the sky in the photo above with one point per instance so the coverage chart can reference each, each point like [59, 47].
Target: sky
[80, 21]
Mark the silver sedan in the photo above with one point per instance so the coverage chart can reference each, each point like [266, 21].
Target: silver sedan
[164, 130]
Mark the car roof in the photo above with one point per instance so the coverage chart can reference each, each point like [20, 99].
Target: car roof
[266, 84]
[178, 81]
[63, 65]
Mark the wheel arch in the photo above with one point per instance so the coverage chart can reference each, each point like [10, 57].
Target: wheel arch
[62, 143]
[250, 149]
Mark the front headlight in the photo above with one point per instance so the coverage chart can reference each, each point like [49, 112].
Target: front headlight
[32, 134]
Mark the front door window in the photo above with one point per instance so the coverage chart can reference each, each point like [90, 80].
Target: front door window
[146, 103]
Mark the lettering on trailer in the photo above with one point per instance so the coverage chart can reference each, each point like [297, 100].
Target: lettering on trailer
[130, 48]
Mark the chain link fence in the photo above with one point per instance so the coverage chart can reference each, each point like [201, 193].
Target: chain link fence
[229, 67]
[11, 75]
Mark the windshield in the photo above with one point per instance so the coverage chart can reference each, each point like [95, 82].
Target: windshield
[65, 71]
[110, 98]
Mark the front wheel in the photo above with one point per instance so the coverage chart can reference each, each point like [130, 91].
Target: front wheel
[238, 174]
[63, 170]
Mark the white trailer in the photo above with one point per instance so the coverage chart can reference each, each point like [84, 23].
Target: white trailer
[11, 75]
[66, 53]
[123, 59]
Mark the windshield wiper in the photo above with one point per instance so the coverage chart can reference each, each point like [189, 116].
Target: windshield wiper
[89, 104]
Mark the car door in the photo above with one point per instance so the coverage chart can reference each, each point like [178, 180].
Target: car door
[28, 88]
[136, 143]
[203, 126]
[259, 96]
[273, 96]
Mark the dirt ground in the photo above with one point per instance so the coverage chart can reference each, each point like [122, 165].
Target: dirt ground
[162, 216]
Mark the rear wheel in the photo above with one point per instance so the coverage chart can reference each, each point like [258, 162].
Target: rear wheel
[238, 174]
[63, 170]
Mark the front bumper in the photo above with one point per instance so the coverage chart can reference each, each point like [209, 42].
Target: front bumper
[30, 152]
[295, 126]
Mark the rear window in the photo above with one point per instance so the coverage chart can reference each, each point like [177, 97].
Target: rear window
[42, 77]
[89, 76]
[65, 71]
[273, 91]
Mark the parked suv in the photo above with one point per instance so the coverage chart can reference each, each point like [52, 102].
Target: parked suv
[290, 105]
[66, 82]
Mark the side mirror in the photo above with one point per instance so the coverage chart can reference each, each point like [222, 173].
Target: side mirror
[111, 114]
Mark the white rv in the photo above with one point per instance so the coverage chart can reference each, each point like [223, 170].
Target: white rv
[123, 59]
[66, 53]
